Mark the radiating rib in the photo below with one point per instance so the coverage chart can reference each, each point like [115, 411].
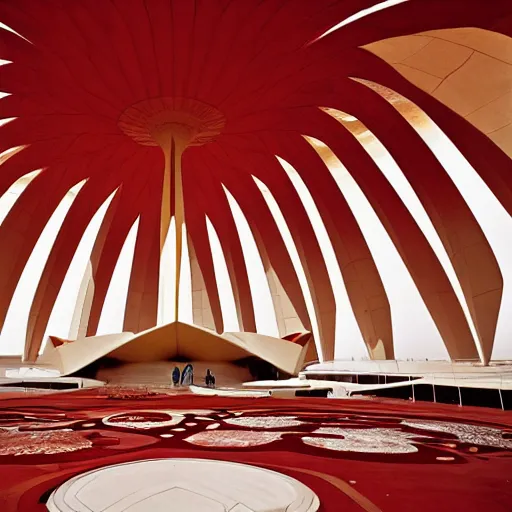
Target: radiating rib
[80, 318]
[167, 282]
[224, 283]
[294, 255]
[217, 209]
[425, 268]
[68, 297]
[105, 254]
[490, 214]
[201, 309]
[238, 180]
[268, 170]
[198, 234]
[261, 297]
[488, 160]
[17, 315]
[114, 303]
[185, 290]
[142, 297]
[361, 279]
[346, 328]
[463, 238]
[94, 193]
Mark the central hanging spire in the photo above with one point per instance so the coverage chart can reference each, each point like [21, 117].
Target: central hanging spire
[174, 124]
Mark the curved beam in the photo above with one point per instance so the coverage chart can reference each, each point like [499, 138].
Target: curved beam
[268, 239]
[417, 16]
[414, 249]
[92, 195]
[492, 164]
[23, 226]
[201, 310]
[142, 298]
[471, 255]
[266, 168]
[195, 221]
[114, 229]
[216, 207]
[360, 275]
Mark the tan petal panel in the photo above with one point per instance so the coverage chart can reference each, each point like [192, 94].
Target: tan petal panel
[467, 69]
[489, 161]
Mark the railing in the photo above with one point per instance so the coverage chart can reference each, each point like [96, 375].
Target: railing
[487, 383]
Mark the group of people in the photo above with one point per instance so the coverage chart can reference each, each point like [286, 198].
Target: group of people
[186, 378]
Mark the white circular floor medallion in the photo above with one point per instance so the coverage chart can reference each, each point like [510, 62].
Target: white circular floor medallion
[177, 485]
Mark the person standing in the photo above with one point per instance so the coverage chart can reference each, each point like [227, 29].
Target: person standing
[176, 376]
[187, 376]
[209, 379]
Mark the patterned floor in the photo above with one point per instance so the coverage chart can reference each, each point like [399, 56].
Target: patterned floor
[355, 455]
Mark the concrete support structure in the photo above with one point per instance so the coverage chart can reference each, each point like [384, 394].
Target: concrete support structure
[162, 106]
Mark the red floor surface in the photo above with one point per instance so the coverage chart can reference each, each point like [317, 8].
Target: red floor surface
[445, 458]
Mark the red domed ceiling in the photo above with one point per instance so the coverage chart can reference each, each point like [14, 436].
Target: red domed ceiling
[93, 85]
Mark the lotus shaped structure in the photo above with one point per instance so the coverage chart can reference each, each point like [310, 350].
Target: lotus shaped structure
[165, 108]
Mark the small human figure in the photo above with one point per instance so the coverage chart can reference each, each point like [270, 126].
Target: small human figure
[176, 376]
[209, 379]
[187, 376]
